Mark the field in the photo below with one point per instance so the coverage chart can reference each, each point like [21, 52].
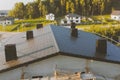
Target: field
[24, 25]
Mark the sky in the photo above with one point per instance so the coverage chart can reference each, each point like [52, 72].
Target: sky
[9, 4]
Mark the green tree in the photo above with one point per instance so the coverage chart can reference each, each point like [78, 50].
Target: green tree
[18, 11]
[29, 11]
[82, 3]
[67, 7]
[62, 7]
[44, 10]
[72, 7]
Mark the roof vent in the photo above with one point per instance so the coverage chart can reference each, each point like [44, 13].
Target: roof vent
[101, 47]
[10, 52]
[29, 35]
[39, 26]
[74, 31]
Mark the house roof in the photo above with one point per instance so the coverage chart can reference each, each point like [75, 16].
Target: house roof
[51, 14]
[116, 12]
[6, 18]
[72, 15]
[51, 41]
[4, 11]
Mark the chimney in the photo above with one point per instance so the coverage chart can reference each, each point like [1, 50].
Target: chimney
[73, 25]
[39, 26]
[29, 35]
[74, 31]
[101, 47]
[10, 52]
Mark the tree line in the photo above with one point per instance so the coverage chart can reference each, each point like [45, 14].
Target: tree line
[39, 8]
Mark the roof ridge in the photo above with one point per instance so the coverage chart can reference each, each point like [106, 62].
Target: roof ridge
[57, 47]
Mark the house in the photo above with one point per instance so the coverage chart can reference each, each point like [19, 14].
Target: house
[115, 15]
[50, 16]
[4, 13]
[38, 53]
[6, 20]
[71, 18]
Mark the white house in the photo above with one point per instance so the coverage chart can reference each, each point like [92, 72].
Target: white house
[71, 18]
[42, 52]
[4, 13]
[115, 15]
[6, 21]
[50, 16]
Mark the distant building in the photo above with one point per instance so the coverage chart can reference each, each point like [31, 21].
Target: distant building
[50, 16]
[71, 18]
[6, 20]
[36, 54]
[115, 15]
[4, 13]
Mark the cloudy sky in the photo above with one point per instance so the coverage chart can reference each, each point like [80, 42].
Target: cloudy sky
[9, 4]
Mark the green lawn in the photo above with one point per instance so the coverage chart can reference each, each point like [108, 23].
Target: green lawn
[7, 28]
[105, 21]
[18, 25]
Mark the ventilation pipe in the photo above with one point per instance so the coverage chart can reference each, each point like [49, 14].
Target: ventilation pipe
[101, 47]
[10, 52]
[39, 26]
[29, 35]
[74, 31]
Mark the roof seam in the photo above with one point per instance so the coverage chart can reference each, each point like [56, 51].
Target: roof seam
[57, 47]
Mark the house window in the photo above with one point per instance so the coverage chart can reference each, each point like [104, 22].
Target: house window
[65, 21]
[8, 22]
[77, 17]
[77, 21]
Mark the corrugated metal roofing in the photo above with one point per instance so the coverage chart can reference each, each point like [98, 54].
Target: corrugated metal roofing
[53, 40]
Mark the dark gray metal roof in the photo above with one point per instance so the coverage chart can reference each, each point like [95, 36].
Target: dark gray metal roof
[84, 45]
[72, 15]
[51, 41]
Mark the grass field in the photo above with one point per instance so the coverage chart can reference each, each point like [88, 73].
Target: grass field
[19, 25]
[104, 20]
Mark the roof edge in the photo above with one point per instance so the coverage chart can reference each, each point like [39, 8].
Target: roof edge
[92, 58]
[28, 63]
